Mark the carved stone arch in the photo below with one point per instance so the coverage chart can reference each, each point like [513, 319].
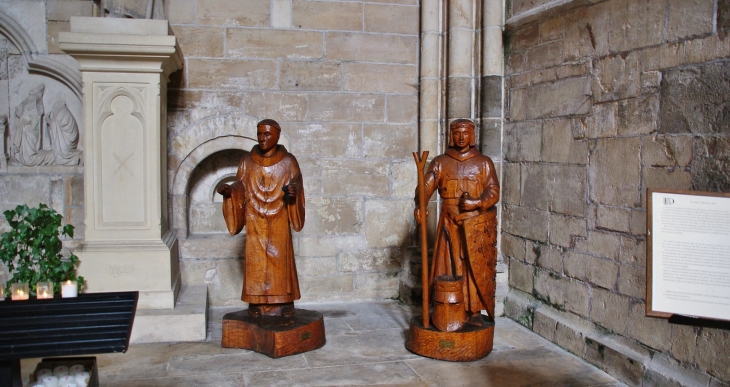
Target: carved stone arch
[35, 62]
[108, 95]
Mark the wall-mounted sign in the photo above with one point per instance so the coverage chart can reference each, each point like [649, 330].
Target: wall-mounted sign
[688, 254]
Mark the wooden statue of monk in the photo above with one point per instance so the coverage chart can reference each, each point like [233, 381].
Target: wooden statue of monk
[464, 254]
[268, 198]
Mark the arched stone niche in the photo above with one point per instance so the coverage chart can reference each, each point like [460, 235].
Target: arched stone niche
[201, 157]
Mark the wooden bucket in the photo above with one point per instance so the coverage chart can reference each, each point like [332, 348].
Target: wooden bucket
[449, 313]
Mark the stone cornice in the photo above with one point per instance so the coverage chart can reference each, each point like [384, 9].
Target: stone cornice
[545, 11]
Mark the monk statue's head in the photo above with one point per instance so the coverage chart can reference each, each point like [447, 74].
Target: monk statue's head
[462, 134]
[267, 134]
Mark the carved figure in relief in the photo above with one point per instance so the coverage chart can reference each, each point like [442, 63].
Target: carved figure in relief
[268, 199]
[464, 258]
[134, 9]
[27, 144]
[64, 133]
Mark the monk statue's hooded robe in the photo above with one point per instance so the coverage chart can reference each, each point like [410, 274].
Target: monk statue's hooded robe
[258, 201]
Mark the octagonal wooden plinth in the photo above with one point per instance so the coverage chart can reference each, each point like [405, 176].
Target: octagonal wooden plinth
[468, 344]
[274, 336]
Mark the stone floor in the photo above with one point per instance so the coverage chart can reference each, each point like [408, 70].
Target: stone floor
[364, 348]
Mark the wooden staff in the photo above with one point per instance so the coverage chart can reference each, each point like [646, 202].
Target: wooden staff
[422, 200]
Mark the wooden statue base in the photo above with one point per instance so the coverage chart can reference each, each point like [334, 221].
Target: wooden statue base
[274, 336]
[467, 344]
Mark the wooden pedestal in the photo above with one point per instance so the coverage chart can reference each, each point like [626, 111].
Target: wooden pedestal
[274, 336]
[467, 344]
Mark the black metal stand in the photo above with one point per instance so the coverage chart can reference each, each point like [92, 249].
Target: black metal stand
[88, 324]
[699, 322]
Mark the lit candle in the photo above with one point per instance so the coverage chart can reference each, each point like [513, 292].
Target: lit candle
[2, 292]
[69, 289]
[44, 290]
[19, 291]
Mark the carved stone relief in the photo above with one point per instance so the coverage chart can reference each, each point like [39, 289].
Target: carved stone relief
[3, 155]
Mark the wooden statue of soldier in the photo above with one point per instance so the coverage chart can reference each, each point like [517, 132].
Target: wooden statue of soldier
[462, 275]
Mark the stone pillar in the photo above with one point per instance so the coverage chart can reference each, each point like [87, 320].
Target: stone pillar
[463, 66]
[125, 64]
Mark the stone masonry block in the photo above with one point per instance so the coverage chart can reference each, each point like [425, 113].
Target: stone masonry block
[707, 49]
[713, 351]
[525, 222]
[610, 310]
[632, 281]
[326, 287]
[633, 251]
[401, 108]
[519, 307]
[567, 97]
[684, 342]
[666, 151]
[53, 29]
[638, 116]
[614, 172]
[389, 141]
[212, 100]
[182, 13]
[492, 91]
[390, 223]
[283, 106]
[564, 228]
[348, 46]
[24, 189]
[586, 32]
[566, 294]
[602, 121]
[329, 246]
[613, 218]
[621, 358]
[325, 139]
[616, 77]
[366, 77]
[387, 18]
[544, 55]
[557, 188]
[559, 146]
[355, 177]
[223, 277]
[544, 325]
[290, 44]
[327, 15]
[404, 179]
[664, 178]
[652, 332]
[459, 96]
[63, 10]
[689, 18]
[525, 37]
[635, 23]
[638, 222]
[233, 13]
[694, 99]
[665, 371]
[522, 141]
[333, 216]
[550, 258]
[552, 29]
[310, 76]
[521, 275]
[316, 266]
[600, 244]
[75, 190]
[347, 107]
[511, 184]
[370, 260]
[231, 74]
[512, 246]
[198, 41]
[376, 285]
[598, 271]
[517, 105]
[491, 138]
[710, 156]
[663, 57]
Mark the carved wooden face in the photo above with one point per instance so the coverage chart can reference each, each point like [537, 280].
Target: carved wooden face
[462, 137]
[267, 136]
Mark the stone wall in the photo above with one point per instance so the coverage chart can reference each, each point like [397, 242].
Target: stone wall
[341, 79]
[604, 101]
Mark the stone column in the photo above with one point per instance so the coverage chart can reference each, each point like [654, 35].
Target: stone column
[125, 64]
[463, 54]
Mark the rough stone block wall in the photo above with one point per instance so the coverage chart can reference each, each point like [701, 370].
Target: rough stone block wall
[604, 101]
[341, 79]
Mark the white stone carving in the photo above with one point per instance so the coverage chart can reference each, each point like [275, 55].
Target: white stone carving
[64, 133]
[135, 9]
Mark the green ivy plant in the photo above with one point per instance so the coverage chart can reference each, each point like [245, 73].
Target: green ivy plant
[32, 248]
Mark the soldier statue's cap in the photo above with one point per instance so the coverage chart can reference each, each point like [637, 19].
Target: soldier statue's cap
[269, 122]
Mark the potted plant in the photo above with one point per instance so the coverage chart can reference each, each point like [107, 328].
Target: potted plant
[32, 249]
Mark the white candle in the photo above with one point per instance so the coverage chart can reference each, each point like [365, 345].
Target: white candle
[82, 379]
[44, 290]
[50, 381]
[43, 372]
[19, 291]
[69, 289]
[67, 379]
[68, 384]
[75, 369]
[60, 371]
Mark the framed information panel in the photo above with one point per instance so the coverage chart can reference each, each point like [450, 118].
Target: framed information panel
[688, 254]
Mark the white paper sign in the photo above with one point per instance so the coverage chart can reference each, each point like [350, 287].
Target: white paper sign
[691, 255]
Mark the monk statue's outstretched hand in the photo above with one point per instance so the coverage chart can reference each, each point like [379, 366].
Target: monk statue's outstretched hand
[225, 190]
